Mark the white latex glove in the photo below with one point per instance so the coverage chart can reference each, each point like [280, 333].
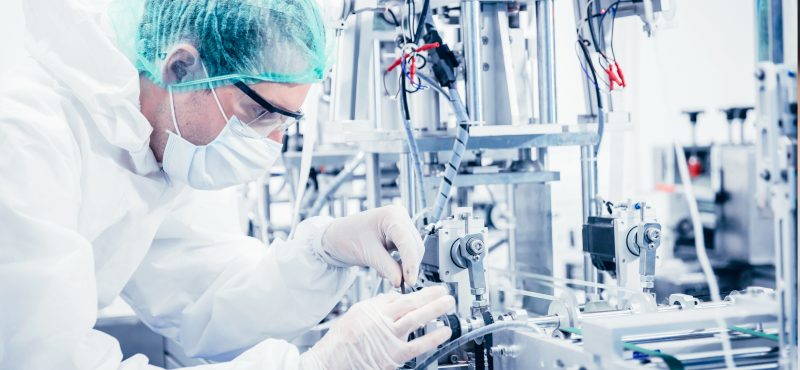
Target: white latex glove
[366, 239]
[373, 333]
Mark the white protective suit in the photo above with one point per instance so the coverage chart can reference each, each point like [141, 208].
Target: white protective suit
[86, 215]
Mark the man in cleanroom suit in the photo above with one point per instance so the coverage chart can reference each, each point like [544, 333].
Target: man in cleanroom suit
[123, 112]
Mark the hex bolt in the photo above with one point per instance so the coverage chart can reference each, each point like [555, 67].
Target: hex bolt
[653, 234]
[475, 246]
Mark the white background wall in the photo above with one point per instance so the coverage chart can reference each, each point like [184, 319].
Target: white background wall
[11, 31]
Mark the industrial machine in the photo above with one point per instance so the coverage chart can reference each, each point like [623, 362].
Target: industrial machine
[432, 102]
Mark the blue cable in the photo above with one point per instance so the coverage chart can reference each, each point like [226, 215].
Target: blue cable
[584, 69]
[419, 86]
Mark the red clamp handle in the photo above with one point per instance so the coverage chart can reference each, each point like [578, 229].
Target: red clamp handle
[611, 78]
[619, 72]
[425, 47]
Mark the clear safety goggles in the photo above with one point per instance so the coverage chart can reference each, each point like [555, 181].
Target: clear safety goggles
[260, 115]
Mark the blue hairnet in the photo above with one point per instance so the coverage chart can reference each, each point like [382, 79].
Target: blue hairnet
[286, 41]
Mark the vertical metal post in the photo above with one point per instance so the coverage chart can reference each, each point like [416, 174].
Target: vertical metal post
[512, 234]
[376, 83]
[372, 162]
[373, 180]
[471, 36]
[589, 191]
[407, 193]
[546, 61]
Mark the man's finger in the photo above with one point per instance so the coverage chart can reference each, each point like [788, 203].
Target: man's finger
[381, 260]
[410, 302]
[427, 342]
[423, 315]
[409, 243]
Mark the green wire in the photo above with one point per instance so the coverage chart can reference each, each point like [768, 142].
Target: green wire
[753, 332]
[672, 362]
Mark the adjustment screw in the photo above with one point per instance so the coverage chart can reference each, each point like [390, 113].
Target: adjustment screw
[475, 246]
[653, 233]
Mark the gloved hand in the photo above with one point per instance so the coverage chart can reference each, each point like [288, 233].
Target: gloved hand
[373, 333]
[366, 239]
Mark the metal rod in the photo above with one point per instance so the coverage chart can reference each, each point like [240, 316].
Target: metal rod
[512, 234]
[406, 183]
[589, 189]
[546, 62]
[552, 321]
[471, 29]
[686, 334]
[546, 58]
[373, 176]
[377, 90]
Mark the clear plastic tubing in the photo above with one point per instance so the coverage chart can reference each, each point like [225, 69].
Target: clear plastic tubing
[464, 339]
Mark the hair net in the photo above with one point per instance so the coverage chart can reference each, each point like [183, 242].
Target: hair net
[287, 41]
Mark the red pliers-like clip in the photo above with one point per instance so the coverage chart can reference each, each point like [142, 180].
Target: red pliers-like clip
[612, 77]
[413, 68]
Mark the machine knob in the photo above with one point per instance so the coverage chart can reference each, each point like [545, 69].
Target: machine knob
[653, 234]
[475, 246]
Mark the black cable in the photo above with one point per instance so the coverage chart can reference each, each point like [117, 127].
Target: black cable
[416, 85]
[613, 20]
[422, 18]
[394, 18]
[590, 20]
[594, 75]
[405, 96]
[424, 60]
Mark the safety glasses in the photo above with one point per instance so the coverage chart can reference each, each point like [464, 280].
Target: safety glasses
[260, 115]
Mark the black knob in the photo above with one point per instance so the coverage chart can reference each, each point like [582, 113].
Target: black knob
[693, 115]
[741, 113]
[730, 113]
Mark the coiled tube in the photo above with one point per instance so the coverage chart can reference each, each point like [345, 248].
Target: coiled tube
[462, 135]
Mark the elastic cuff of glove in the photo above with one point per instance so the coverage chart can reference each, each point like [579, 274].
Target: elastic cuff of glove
[317, 245]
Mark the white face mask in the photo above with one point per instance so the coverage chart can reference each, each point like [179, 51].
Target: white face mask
[238, 155]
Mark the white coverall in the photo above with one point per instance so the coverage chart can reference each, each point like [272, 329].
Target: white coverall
[86, 215]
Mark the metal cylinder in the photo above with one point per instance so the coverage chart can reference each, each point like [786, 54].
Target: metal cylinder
[546, 57]
[377, 89]
[588, 181]
[545, 322]
[406, 183]
[471, 35]
[546, 61]
[589, 192]
[552, 321]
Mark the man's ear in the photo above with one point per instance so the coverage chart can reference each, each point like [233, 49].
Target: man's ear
[182, 64]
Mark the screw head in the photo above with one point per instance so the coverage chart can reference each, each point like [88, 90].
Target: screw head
[485, 67]
[484, 40]
[475, 246]
[454, 358]
[653, 234]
